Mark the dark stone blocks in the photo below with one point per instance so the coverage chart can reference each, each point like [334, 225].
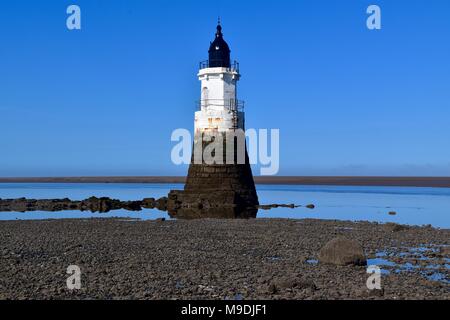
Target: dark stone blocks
[216, 191]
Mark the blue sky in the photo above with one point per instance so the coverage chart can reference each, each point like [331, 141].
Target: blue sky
[104, 100]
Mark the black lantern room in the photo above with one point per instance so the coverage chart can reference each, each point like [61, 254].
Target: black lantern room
[219, 52]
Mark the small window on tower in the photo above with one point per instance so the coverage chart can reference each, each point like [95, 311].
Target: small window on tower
[205, 93]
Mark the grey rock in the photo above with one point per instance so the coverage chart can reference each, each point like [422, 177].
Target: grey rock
[342, 251]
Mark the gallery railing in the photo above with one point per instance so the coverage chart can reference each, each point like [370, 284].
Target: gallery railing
[230, 104]
[234, 66]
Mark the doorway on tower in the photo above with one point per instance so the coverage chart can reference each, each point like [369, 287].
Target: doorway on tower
[205, 97]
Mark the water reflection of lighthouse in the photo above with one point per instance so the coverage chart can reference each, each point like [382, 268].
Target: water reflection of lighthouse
[227, 189]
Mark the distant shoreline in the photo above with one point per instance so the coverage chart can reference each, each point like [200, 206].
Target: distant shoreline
[436, 182]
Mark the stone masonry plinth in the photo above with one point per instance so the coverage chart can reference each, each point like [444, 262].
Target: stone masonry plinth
[216, 191]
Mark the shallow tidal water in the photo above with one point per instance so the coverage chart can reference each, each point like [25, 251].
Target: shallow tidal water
[413, 206]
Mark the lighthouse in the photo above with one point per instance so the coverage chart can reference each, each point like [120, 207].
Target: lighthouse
[221, 187]
[219, 108]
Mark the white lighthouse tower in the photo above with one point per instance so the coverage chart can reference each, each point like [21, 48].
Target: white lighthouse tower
[218, 190]
[219, 109]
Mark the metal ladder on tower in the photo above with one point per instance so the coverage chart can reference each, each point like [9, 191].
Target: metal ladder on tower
[234, 114]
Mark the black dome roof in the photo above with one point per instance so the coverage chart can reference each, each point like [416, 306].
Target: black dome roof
[219, 52]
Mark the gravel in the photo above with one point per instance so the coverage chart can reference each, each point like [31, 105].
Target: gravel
[216, 259]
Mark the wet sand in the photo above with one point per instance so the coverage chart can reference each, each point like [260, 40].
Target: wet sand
[215, 259]
[437, 182]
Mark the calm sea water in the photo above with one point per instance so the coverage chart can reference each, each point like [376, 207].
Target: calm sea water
[415, 206]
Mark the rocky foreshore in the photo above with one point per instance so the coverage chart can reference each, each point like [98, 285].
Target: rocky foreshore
[221, 259]
[105, 205]
[92, 204]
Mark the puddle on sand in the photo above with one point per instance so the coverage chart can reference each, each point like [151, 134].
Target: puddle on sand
[380, 262]
[431, 271]
[436, 276]
[407, 267]
[274, 258]
[236, 297]
[396, 260]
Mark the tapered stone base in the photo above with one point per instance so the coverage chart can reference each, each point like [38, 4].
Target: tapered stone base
[216, 191]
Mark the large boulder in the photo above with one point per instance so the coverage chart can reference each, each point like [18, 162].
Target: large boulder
[342, 251]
